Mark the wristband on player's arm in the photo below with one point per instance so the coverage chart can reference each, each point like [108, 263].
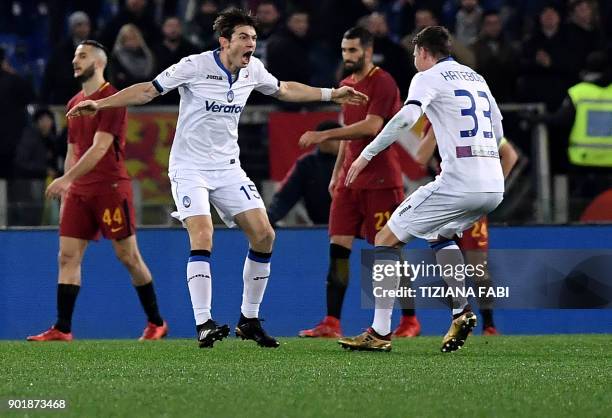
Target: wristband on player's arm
[326, 95]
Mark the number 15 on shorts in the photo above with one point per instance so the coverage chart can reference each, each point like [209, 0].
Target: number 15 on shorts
[250, 191]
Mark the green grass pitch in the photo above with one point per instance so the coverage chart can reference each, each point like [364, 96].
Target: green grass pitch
[538, 376]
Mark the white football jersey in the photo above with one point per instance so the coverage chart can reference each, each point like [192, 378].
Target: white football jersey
[467, 124]
[206, 135]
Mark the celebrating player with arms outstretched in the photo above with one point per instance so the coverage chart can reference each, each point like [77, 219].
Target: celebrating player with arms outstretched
[204, 166]
[96, 196]
[467, 123]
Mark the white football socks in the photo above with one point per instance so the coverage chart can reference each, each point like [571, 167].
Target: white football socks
[448, 253]
[384, 304]
[255, 276]
[200, 287]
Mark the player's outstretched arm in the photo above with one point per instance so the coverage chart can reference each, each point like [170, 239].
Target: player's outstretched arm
[136, 94]
[363, 129]
[291, 91]
[403, 120]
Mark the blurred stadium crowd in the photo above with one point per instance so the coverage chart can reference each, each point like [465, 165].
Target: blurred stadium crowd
[527, 50]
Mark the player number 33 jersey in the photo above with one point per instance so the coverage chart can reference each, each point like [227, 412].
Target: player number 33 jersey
[467, 123]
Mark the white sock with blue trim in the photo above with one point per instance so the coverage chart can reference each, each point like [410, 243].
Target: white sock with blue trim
[384, 304]
[449, 254]
[255, 276]
[199, 283]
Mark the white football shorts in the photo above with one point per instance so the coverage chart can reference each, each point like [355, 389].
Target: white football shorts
[433, 210]
[230, 191]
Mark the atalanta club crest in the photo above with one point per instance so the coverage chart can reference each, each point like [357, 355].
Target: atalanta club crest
[230, 96]
[186, 201]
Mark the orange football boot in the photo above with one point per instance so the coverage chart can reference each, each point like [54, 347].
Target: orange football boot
[154, 332]
[329, 327]
[52, 334]
[490, 331]
[409, 326]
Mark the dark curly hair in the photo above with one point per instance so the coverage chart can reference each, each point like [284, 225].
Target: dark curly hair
[229, 19]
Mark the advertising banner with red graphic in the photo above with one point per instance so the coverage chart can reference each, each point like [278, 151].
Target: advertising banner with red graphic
[148, 143]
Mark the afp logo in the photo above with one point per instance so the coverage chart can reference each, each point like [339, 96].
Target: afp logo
[186, 201]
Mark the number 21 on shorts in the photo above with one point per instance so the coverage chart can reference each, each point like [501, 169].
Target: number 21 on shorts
[381, 219]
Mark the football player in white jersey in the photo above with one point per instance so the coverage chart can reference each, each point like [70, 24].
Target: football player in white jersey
[204, 161]
[468, 127]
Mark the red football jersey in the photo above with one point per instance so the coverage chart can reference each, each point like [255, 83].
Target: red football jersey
[384, 170]
[81, 130]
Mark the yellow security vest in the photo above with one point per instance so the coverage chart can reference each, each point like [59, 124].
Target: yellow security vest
[590, 142]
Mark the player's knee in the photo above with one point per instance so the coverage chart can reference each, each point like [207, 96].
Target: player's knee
[201, 240]
[264, 236]
[67, 259]
[268, 235]
[129, 259]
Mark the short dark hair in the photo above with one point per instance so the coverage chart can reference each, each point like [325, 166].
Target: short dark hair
[357, 32]
[552, 6]
[167, 18]
[269, 3]
[435, 39]
[229, 19]
[573, 4]
[43, 111]
[95, 44]
[297, 11]
[488, 13]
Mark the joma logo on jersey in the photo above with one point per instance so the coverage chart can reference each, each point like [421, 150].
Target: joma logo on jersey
[217, 108]
[214, 77]
[404, 210]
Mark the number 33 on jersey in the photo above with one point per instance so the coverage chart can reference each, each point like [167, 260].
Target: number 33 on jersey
[467, 123]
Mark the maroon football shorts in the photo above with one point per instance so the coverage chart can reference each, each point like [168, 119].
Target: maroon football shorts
[362, 213]
[477, 237]
[107, 209]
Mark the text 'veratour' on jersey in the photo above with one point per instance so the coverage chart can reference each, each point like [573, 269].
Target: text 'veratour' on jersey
[467, 124]
[206, 135]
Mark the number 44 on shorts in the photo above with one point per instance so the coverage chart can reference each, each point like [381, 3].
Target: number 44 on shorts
[117, 216]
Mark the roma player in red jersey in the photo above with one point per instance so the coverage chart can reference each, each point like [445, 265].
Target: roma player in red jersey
[363, 208]
[96, 198]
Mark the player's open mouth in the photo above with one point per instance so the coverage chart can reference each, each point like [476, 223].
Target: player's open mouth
[246, 57]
